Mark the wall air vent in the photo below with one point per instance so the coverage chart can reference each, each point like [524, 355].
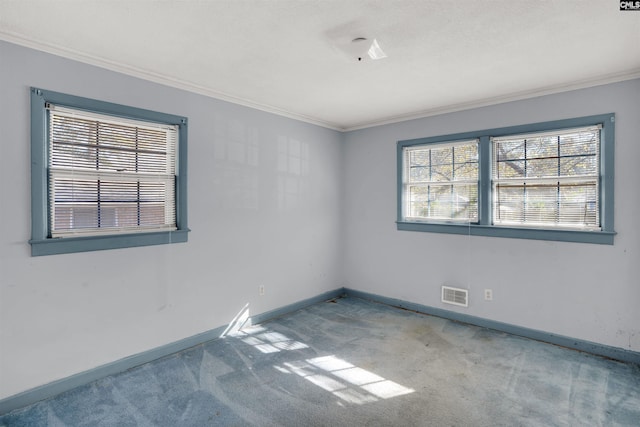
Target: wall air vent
[455, 296]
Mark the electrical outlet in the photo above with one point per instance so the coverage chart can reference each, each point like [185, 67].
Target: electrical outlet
[488, 295]
[261, 289]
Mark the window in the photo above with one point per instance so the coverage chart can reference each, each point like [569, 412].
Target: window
[442, 181]
[104, 175]
[549, 181]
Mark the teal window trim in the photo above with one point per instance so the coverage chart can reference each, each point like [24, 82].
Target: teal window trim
[41, 242]
[484, 226]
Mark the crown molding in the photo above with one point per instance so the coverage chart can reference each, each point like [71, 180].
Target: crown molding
[518, 96]
[158, 78]
[199, 89]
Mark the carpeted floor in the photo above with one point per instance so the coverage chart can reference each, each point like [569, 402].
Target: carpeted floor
[351, 362]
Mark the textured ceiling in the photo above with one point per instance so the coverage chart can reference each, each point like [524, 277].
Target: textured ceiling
[291, 56]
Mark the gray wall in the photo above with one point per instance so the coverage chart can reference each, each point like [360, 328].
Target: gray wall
[264, 200]
[584, 291]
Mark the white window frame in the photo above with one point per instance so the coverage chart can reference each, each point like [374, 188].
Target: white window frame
[409, 183]
[556, 182]
[46, 240]
[603, 233]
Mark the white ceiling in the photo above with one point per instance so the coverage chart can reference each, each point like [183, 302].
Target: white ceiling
[290, 56]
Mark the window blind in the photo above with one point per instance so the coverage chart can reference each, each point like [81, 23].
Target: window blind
[548, 179]
[109, 175]
[441, 181]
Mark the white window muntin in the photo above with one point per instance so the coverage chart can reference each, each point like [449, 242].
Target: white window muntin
[409, 184]
[559, 217]
[163, 175]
